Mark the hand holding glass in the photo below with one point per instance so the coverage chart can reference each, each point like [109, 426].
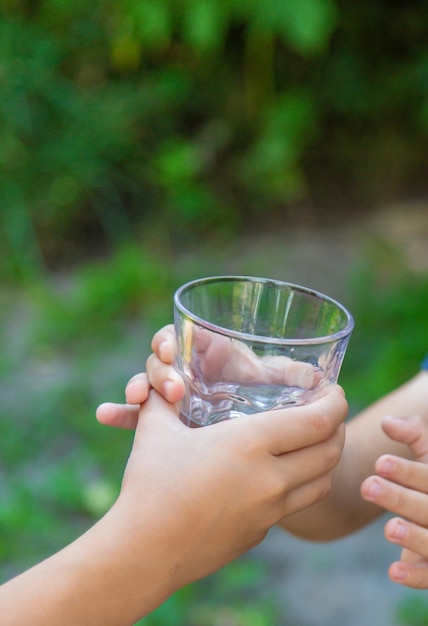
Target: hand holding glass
[246, 345]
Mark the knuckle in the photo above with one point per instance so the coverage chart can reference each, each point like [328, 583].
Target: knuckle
[276, 487]
[273, 488]
[320, 487]
[325, 485]
[399, 499]
[418, 579]
[333, 453]
[416, 540]
[321, 423]
[337, 395]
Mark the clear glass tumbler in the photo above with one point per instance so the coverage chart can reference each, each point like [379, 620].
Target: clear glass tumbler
[246, 345]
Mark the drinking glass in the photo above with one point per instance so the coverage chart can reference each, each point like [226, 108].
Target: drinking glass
[248, 344]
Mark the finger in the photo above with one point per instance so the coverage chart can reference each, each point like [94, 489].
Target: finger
[412, 537]
[283, 370]
[218, 356]
[304, 496]
[397, 499]
[409, 430]
[411, 474]
[312, 462]
[164, 344]
[137, 389]
[118, 415]
[160, 414]
[407, 556]
[165, 379]
[289, 429]
[234, 361]
[409, 575]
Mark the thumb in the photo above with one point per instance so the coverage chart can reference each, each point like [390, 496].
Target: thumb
[409, 430]
[292, 428]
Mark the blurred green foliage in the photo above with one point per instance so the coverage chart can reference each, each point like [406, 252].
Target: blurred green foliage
[235, 596]
[413, 611]
[198, 116]
[139, 126]
[103, 296]
[390, 338]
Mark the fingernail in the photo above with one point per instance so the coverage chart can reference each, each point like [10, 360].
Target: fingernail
[373, 489]
[395, 418]
[387, 466]
[399, 530]
[400, 572]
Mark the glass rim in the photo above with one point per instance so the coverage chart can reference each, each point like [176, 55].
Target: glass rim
[236, 334]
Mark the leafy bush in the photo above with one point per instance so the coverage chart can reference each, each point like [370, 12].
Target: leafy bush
[195, 116]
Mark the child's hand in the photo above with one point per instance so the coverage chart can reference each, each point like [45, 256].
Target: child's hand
[161, 375]
[216, 491]
[401, 486]
[126, 415]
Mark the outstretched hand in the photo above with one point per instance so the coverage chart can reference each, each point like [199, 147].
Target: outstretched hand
[305, 441]
[246, 475]
[225, 485]
[401, 486]
[191, 501]
[160, 375]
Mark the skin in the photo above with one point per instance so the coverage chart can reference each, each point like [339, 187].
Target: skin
[220, 358]
[191, 501]
[384, 465]
[401, 486]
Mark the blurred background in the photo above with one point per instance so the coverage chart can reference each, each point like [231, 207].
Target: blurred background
[148, 142]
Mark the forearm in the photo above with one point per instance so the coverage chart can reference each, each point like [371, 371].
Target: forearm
[101, 578]
[343, 510]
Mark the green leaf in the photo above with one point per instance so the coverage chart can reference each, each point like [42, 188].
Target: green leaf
[306, 25]
[274, 160]
[153, 22]
[204, 25]
[177, 162]
[309, 24]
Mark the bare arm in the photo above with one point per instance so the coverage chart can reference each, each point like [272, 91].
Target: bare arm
[343, 510]
[191, 501]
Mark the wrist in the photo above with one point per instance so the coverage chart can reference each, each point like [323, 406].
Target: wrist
[131, 562]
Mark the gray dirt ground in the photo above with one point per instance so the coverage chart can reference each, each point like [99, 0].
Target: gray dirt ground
[343, 583]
